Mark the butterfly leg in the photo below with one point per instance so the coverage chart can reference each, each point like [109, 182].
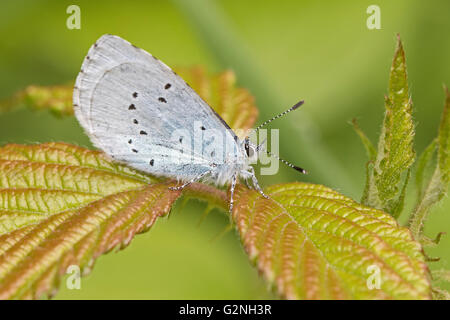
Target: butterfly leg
[255, 182]
[246, 176]
[247, 183]
[190, 181]
[233, 185]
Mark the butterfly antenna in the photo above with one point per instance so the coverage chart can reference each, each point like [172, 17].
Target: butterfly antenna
[295, 106]
[301, 170]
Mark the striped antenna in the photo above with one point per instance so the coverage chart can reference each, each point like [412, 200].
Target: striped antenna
[295, 106]
[301, 170]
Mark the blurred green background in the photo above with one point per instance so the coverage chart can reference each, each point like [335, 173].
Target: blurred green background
[283, 51]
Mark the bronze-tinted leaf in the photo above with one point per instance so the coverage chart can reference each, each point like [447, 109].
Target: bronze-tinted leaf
[311, 242]
[62, 205]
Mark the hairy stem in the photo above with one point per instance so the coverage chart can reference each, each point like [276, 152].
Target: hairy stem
[420, 213]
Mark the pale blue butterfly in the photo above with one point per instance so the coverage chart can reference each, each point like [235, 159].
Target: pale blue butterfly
[139, 112]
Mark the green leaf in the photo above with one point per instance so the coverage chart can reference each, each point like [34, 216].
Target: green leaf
[370, 149]
[57, 99]
[437, 186]
[396, 207]
[395, 153]
[311, 242]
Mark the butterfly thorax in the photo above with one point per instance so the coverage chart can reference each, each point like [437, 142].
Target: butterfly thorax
[235, 163]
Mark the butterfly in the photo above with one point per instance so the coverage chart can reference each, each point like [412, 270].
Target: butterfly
[141, 113]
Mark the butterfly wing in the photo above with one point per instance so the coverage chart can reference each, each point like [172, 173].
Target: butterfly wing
[137, 110]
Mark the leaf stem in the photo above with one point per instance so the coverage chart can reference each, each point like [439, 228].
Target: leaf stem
[420, 213]
[212, 195]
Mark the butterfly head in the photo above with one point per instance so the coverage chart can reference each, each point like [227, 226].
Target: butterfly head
[251, 150]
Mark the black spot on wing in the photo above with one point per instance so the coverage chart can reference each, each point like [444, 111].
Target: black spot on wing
[161, 99]
[167, 86]
[132, 107]
[135, 94]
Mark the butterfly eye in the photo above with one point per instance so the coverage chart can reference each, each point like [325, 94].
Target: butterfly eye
[249, 150]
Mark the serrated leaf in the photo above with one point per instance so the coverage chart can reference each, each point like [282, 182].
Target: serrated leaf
[370, 149]
[395, 153]
[437, 186]
[396, 207]
[311, 242]
[63, 205]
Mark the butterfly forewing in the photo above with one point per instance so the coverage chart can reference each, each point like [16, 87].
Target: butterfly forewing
[139, 111]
